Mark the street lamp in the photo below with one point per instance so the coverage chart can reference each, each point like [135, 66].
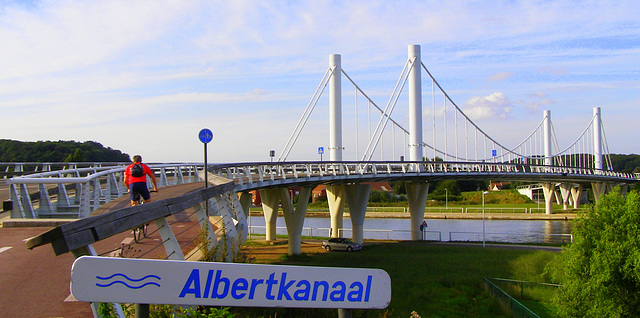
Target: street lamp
[483, 240]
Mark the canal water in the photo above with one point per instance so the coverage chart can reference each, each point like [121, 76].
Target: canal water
[505, 231]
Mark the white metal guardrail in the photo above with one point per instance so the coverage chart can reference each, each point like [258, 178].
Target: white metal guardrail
[250, 176]
[77, 192]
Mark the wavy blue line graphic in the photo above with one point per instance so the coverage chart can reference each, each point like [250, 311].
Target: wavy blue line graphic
[129, 280]
[123, 283]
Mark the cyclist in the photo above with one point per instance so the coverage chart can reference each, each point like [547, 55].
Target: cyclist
[137, 183]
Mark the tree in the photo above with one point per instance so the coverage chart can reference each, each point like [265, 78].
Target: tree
[600, 271]
[75, 157]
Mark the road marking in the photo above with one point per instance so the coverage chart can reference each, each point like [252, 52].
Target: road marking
[2, 249]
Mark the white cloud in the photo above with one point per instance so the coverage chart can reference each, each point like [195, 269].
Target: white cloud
[493, 106]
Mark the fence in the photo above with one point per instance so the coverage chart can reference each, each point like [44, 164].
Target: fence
[499, 237]
[374, 234]
[505, 291]
[508, 303]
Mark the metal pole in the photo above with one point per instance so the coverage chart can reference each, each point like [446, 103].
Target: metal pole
[142, 310]
[483, 240]
[206, 179]
[344, 313]
[446, 199]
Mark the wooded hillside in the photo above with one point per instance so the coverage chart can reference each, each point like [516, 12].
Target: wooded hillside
[626, 163]
[58, 151]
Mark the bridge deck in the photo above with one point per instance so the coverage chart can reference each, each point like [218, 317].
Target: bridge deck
[163, 193]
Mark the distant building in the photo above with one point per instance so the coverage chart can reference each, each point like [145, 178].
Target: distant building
[321, 190]
[497, 186]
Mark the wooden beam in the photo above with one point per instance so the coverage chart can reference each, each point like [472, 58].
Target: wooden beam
[74, 235]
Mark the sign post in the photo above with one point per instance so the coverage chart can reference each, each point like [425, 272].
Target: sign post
[320, 152]
[206, 136]
[126, 280]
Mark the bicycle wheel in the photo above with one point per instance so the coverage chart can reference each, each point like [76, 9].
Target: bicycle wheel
[137, 234]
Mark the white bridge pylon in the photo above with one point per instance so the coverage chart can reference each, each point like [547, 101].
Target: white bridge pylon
[447, 135]
[437, 131]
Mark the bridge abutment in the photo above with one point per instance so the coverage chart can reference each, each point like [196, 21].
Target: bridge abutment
[417, 199]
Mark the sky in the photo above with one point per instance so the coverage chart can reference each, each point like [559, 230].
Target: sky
[145, 77]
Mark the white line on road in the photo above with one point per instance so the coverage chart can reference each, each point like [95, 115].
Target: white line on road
[2, 249]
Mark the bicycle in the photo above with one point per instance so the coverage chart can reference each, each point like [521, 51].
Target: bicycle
[140, 232]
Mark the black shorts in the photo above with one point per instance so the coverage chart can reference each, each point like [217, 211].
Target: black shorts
[141, 188]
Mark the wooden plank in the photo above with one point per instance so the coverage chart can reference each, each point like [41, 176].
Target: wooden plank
[44, 238]
[79, 239]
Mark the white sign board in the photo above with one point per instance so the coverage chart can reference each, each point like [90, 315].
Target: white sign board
[123, 280]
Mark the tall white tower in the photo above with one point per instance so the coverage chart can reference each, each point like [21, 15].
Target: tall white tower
[335, 109]
[415, 105]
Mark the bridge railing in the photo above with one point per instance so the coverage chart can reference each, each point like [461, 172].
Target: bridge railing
[16, 169]
[76, 193]
[250, 176]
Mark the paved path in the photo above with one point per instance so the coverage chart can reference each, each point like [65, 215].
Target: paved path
[35, 283]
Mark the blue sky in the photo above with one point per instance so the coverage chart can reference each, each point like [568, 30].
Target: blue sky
[145, 76]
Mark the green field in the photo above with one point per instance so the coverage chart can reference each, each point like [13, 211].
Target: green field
[434, 280]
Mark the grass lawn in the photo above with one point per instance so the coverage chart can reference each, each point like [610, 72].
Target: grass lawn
[434, 280]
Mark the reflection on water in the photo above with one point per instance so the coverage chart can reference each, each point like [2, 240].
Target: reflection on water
[514, 231]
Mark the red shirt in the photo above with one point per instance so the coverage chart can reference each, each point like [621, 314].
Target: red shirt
[132, 179]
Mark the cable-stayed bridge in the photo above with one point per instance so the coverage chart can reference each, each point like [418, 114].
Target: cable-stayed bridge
[440, 142]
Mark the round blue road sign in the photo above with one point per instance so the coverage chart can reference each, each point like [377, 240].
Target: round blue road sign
[205, 136]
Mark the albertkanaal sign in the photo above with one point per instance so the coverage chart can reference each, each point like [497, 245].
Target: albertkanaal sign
[123, 280]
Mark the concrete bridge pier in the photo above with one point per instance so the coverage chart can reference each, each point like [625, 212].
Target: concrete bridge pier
[417, 199]
[576, 192]
[245, 202]
[270, 203]
[336, 193]
[599, 189]
[565, 192]
[548, 188]
[294, 218]
[357, 198]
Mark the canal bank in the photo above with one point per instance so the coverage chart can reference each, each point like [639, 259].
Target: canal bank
[453, 216]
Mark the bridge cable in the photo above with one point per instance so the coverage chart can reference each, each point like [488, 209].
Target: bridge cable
[307, 112]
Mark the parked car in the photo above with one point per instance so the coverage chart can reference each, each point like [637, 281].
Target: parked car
[340, 244]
